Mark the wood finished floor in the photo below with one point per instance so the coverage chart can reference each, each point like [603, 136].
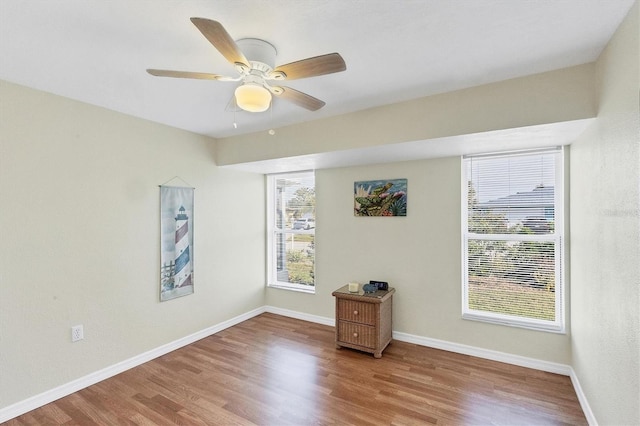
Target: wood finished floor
[273, 370]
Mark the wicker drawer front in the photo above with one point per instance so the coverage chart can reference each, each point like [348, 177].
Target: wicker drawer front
[357, 334]
[360, 312]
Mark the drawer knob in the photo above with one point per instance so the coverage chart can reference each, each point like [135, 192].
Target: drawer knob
[355, 334]
[355, 312]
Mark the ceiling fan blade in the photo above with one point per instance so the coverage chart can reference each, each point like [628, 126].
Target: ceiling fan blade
[310, 67]
[188, 74]
[299, 98]
[221, 40]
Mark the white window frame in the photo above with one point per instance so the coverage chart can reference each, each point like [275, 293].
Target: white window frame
[557, 326]
[273, 231]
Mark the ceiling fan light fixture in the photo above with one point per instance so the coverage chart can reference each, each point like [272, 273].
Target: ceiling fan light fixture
[253, 97]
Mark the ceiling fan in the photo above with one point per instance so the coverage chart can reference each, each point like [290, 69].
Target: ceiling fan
[256, 68]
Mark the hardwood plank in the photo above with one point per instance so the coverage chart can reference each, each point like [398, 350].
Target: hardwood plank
[273, 370]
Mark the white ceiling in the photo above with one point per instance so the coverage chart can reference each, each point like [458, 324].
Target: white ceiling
[96, 51]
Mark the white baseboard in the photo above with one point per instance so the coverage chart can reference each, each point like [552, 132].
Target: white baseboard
[521, 361]
[586, 408]
[300, 315]
[34, 402]
[44, 398]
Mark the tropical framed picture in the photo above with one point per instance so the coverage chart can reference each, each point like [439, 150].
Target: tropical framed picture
[384, 197]
[176, 242]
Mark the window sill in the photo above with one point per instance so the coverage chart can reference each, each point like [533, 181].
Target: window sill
[529, 325]
[301, 289]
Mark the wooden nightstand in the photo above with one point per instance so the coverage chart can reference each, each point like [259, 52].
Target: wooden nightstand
[363, 320]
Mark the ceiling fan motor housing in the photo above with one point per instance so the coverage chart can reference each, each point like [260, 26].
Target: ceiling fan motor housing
[261, 54]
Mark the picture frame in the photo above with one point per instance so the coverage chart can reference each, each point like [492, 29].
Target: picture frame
[381, 197]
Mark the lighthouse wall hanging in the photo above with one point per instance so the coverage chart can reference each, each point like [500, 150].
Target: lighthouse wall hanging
[176, 242]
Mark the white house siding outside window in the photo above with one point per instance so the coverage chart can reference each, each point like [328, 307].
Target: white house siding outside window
[291, 225]
[512, 228]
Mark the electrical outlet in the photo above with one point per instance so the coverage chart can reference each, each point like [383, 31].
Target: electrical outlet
[77, 333]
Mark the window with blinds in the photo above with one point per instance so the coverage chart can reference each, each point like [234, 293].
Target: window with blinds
[512, 229]
[291, 224]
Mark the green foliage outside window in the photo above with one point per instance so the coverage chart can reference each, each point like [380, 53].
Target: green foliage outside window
[300, 264]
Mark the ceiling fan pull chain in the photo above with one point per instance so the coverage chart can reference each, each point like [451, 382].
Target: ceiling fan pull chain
[271, 131]
[235, 124]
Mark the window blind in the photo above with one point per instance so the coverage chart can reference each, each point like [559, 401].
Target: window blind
[512, 230]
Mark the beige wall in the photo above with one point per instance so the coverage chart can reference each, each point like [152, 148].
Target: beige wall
[79, 230]
[420, 255]
[550, 97]
[605, 237]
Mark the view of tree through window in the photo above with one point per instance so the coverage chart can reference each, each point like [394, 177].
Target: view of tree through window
[294, 230]
[512, 247]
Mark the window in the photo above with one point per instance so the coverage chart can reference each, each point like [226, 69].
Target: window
[291, 226]
[512, 227]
